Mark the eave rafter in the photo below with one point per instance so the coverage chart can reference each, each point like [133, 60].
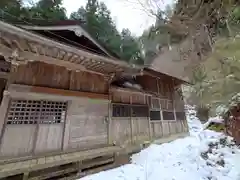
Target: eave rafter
[19, 49]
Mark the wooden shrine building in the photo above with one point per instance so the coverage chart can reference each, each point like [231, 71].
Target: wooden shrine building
[65, 99]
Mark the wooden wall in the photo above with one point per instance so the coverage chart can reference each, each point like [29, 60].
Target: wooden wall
[49, 138]
[121, 95]
[163, 87]
[131, 130]
[18, 140]
[49, 75]
[86, 124]
[140, 129]
[89, 122]
[121, 130]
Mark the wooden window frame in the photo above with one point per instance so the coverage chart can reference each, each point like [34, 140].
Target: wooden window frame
[22, 111]
[118, 110]
[168, 111]
[130, 111]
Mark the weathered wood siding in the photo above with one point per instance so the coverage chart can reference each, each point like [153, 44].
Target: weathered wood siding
[162, 99]
[121, 130]
[3, 111]
[49, 138]
[121, 95]
[162, 87]
[140, 129]
[18, 140]
[88, 82]
[127, 130]
[49, 75]
[86, 125]
[148, 83]
[41, 74]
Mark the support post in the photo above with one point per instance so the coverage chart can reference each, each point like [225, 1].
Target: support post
[3, 111]
[161, 115]
[149, 121]
[131, 121]
[109, 120]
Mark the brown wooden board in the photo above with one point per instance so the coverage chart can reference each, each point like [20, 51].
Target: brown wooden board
[88, 82]
[42, 74]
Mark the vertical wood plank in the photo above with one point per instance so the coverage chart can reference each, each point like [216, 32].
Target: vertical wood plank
[169, 127]
[36, 134]
[158, 86]
[161, 115]
[109, 134]
[3, 111]
[174, 111]
[149, 121]
[67, 127]
[64, 127]
[15, 143]
[11, 77]
[131, 122]
[70, 80]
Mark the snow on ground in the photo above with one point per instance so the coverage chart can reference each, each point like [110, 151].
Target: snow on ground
[205, 155]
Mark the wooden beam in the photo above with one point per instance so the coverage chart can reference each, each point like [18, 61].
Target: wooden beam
[34, 57]
[131, 122]
[62, 92]
[109, 133]
[7, 52]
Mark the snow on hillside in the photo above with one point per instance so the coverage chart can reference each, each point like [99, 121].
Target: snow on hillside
[204, 155]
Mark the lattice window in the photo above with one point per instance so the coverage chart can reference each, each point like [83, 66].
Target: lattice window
[155, 115]
[33, 112]
[168, 115]
[180, 115]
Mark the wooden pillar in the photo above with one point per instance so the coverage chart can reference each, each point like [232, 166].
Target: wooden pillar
[35, 138]
[158, 86]
[149, 121]
[11, 76]
[64, 127]
[109, 133]
[131, 121]
[174, 111]
[3, 111]
[67, 127]
[161, 115]
[71, 79]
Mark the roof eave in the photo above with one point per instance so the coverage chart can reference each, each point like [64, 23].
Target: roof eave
[42, 41]
[77, 29]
